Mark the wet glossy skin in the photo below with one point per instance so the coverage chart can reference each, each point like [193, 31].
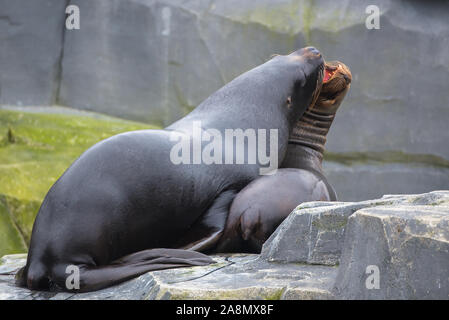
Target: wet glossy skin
[261, 206]
[123, 198]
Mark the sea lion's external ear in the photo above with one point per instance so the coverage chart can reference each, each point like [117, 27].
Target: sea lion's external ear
[289, 102]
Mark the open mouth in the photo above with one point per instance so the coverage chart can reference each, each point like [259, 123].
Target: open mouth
[336, 80]
[329, 72]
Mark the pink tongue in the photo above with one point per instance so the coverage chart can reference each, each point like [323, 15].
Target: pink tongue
[327, 75]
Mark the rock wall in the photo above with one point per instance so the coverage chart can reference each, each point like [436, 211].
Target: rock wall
[155, 60]
[31, 40]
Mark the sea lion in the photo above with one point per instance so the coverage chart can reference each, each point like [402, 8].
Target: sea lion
[115, 209]
[261, 206]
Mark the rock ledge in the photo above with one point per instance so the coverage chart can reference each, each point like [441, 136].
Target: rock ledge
[396, 247]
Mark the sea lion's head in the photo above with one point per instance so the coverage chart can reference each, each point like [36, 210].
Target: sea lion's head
[336, 83]
[311, 73]
[311, 129]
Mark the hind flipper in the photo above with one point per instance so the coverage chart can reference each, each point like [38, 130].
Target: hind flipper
[210, 227]
[93, 278]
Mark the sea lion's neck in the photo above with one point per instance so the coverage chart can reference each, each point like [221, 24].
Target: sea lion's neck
[311, 130]
[307, 140]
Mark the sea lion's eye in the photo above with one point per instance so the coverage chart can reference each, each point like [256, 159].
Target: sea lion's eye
[289, 102]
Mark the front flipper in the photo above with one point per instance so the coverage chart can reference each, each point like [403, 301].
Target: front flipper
[206, 232]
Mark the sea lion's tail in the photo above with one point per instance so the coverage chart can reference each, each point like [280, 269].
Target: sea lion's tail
[91, 278]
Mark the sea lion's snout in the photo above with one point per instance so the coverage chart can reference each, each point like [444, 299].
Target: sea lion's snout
[336, 83]
[337, 76]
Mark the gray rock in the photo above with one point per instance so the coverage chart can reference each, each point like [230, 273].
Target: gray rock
[141, 60]
[12, 263]
[405, 236]
[388, 107]
[9, 265]
[156, 60]
[232, 277]
[245, 277]
[313, 233]
[31, 34]
[409, 246]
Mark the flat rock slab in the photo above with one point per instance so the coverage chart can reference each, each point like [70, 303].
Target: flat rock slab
[314, 232]
[406, 248]
[396, 247]
[232, 277]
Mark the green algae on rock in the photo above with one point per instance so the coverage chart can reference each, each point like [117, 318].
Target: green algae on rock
[35, 149]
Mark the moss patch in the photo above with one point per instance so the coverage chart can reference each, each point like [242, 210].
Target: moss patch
[353, 158]
[282, 18]
[300, 16]
[330, 223]
[35, 149]
[277, 295]
[11, 240]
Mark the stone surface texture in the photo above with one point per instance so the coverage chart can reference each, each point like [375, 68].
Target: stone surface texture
[337, 245]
